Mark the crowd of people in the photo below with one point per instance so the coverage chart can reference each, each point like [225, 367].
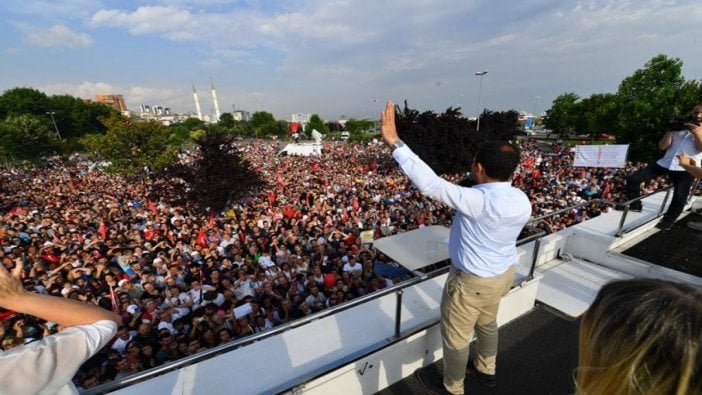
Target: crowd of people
[184, 281]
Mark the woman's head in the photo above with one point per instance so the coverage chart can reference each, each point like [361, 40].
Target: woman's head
[642, 337]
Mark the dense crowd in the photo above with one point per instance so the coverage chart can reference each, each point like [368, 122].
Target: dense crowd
[185, 282]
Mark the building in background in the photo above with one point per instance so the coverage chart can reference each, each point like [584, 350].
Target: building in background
[241, 115]
[114, 101]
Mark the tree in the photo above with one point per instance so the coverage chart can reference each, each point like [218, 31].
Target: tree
[446, 142]
[20, 101]
[263, 123]
[26, 137]
[597, 114]
[226, 120]
[316, 122]
[562, 115]
[359, 125]
[217, 176]
[498, 125]
[132, 147]
[647, 100]
[74, 117]
[193, 124]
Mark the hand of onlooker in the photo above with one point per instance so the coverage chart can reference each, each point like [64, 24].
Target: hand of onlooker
[694, 129]
[387, 124]
[686, 160]
[10, 284]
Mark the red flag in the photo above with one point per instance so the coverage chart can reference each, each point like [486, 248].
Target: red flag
[50, 257]
[152, 206]
[202, 239]
[113, 297]
[102, 230]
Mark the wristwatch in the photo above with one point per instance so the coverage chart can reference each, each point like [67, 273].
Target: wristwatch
[398, 143]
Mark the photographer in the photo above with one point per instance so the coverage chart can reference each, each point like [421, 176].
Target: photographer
[687, 141]
[47, 366]
[690, 165]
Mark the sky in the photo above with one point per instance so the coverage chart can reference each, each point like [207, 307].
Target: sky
[341, 57]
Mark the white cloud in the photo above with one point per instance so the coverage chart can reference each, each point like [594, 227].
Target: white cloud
[59, 36]
[133, 95]
[317, 55]
[145, 20]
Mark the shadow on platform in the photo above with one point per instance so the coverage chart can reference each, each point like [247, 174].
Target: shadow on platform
[538, 355]
[679, 248]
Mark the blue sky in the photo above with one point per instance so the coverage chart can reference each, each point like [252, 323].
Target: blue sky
[338, 57]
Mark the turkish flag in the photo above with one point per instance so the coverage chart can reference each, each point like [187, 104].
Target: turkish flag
[102, 230]
[202, 239]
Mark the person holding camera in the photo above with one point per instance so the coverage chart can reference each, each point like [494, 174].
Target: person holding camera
[690, 165]
[48, 365]
[687, 141]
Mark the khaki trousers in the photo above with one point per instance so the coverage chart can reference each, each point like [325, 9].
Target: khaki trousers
[470, 302]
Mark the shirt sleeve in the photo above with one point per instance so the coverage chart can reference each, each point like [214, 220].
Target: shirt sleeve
[47, 365]
[469, 201]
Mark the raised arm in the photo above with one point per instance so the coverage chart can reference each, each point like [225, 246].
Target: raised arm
[65, 312]
[665, 141]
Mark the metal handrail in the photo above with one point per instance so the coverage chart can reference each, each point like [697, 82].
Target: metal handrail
[396, 289]
[212, 352]
[620, 232]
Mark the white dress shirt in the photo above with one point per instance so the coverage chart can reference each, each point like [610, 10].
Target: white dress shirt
[47, 366]
[489, 217]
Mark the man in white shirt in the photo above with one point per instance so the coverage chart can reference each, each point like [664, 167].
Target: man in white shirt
[675, 143]
[47, 366]
[482, 247]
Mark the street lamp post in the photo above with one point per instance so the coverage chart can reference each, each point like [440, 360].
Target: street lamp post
[480, 88]
[51, 113]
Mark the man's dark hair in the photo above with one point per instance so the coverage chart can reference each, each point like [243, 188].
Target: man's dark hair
[498, 158]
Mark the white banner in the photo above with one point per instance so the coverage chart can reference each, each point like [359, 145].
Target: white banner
[605, 155]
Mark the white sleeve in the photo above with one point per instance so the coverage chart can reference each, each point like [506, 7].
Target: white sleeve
[46, 366]
[469, 201]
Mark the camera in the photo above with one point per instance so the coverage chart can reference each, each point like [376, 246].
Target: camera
[679, 123]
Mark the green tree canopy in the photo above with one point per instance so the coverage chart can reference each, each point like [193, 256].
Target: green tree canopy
[74, 117]
[562, 115]
[637, 114]
[193, 124]
[263, 123]
[226, 120]
[20, 101]
[647, 100]
[359, 125]
[217, 176]
[26, 137]
[132, 146]
[316, 122]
